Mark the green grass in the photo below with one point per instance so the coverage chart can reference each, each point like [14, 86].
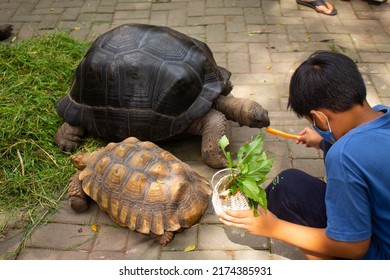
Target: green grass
[33, 75]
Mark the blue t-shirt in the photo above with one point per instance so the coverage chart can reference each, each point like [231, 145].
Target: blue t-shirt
[358, 186]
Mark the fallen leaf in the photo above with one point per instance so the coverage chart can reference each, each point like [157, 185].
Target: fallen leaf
[268, 67]
[77, 28]
[190, 248]
[95, 228]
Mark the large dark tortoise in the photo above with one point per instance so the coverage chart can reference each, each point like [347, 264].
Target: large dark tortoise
[153, 83]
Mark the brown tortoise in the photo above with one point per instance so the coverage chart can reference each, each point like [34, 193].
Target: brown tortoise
[153, 83]
[140, 186]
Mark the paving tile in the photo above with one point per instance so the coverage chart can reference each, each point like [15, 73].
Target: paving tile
[198, 255]
[10, 241]
[205, 20]
[238, 62]
[106, 255]
[301, 151]
[177, 18]
[65, 214]
[135, 15]
[381, 83]
[49, 254]
[111, 239]
[287, 251]
[183, 240]
[132, 6]
[70, 13]
[216, 33]
[90, 6]
[226, 12]
[159, 17]
[314, 167]
[225, 238]
[62, 237]
[66, 4]
[256, 255]
[196, 8]
[49, 21]
[141, 247]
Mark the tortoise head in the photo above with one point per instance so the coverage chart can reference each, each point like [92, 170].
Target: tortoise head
[80, 160]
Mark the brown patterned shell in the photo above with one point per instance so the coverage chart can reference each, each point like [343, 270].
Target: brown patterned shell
[143, 187]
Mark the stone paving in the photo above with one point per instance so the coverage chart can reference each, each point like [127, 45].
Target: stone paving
[261, 42]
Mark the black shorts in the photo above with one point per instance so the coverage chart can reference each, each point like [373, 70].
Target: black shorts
[298, 197]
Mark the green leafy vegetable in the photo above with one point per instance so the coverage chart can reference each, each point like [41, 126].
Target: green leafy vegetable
[249, 171]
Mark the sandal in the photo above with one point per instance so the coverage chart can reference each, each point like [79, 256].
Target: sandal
[314, 4]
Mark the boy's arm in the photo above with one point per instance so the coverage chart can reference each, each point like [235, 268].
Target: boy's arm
[306, 238]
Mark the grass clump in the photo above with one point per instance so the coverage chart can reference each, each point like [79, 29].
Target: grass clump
[33, 75]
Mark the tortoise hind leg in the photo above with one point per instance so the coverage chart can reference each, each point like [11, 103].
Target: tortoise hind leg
[242, 110]
[78, 199]
[212, 127]
[68, 137]
[164, 238]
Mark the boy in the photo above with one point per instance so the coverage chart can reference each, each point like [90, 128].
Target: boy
[349, 215]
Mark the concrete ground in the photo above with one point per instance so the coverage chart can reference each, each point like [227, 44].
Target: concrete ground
[261, 42]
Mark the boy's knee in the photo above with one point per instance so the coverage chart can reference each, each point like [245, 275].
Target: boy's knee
[285, 180]
[290, 185]
[297, 197]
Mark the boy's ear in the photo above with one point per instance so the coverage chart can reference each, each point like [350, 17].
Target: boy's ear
[320, 119]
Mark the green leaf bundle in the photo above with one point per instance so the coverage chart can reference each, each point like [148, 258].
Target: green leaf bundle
[249, 171]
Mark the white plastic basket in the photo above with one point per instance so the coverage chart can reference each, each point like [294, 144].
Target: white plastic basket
[235, 202]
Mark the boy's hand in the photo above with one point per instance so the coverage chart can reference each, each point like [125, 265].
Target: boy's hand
[309, 137]
[262, 225]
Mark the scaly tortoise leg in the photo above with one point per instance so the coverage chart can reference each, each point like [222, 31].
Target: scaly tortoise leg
[212, 127]
[68, 137]
[78, 199]
[164, 238]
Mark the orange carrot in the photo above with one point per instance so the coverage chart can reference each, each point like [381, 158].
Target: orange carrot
[280, 133]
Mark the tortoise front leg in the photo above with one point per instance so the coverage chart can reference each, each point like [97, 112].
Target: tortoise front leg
[68, 137]
[212, 127]
[78, 199]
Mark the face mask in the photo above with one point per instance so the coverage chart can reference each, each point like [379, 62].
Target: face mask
[327, 135]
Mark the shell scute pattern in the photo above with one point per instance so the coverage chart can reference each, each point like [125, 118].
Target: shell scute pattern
[145, 188]
[156, 194]
[115, 177]
[140, 159]
[134, 189]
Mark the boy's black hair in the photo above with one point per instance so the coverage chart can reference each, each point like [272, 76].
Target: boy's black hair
[326, 80]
